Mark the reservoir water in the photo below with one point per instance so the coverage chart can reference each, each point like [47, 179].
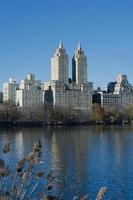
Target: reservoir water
[93, 157]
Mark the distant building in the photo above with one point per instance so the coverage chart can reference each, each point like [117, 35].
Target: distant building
[122, 85]
[109, 101]
[111, 87]
[30, 93]
[1, 97]
[106, 100]
[9, 91]
[125, 90]
[96, 98]
[64, 92]
[119, 94]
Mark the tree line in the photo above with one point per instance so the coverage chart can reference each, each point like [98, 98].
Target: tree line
[43, 113]
[114, 114]
[46, 114]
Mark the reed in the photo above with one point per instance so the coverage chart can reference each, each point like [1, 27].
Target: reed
[24, 182]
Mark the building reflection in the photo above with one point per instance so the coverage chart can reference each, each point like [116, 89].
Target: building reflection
[19, 145]
[72, 154]
[93, 156]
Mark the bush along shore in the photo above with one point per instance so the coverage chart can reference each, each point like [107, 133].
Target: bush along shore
[11, 115]
[29, 180]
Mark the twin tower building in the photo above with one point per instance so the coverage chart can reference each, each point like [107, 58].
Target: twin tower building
[59, 66]
[74, 93]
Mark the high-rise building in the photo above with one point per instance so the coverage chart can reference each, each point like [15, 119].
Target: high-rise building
[30, 94]
[75, 94]
[59, 65]
[122, 85]
[9, 91]
[125, 90]
[119, 94]
[79, 66]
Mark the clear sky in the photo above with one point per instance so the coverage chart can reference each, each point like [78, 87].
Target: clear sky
[30, 30]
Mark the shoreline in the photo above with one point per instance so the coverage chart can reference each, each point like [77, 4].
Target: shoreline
[58, 123]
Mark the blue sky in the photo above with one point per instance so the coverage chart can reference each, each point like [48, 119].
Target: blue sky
[30, 30]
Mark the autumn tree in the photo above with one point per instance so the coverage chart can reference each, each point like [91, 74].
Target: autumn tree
[97, 113]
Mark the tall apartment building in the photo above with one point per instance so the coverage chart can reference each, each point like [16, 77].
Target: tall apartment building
[79, 66]
[59, 65]
[125, 90]
[77, 93]
[9, 91]
[30, 93]
[72, 96]
[119, 94]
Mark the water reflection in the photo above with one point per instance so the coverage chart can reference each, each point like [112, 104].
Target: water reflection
[94, 156]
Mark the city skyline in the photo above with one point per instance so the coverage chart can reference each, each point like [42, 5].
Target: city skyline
[30, 32]
[60, 91]
[70, 67]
